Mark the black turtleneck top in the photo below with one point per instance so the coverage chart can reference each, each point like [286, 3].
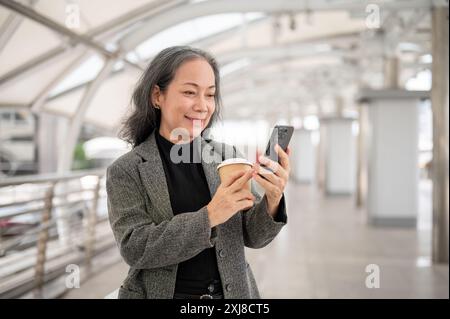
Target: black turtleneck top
[188, 192]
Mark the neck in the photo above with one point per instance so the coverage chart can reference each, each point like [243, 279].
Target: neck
[174, 139]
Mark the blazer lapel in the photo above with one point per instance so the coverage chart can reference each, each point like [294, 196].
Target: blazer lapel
[154, 178]
[210, 166]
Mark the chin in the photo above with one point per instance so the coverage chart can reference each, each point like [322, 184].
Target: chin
[197, 130]
[192, 135]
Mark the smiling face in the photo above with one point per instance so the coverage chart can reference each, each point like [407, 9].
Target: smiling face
[188, 101]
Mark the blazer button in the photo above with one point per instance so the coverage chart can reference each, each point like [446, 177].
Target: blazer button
[222, 253]
[228, 287]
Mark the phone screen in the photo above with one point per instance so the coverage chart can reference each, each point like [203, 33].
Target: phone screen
[281, 135]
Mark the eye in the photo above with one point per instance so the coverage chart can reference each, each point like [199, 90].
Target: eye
[189, 92]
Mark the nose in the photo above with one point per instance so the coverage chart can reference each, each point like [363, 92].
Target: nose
[201, 105]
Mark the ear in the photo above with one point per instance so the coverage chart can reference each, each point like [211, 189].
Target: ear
[156, 96]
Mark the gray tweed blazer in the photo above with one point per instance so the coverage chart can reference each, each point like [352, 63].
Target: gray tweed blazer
[153, 241]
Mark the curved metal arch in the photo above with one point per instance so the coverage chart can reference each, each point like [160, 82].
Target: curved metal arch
[99, 33]
[276, 93]
[281, 58]
[229, 77]
[9, 27]
[300, 79]
[266, 92]
[36, 105]
[205, 8]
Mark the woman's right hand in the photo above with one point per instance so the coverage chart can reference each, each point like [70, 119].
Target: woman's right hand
[230, 198]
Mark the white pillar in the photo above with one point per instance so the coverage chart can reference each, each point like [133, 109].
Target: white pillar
[320, 162]
[304, 156]
[440, 107]
[340, 156]
[49, 136]
[362, 165]
[392, 198]
[391, 72]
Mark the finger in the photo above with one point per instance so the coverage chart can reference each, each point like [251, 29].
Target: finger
[258, 154]
[232, 178]
[241, 181]
[264, 171]
[270, 176]
[283, 156]
[243, 194]
[276, 168]
[268, 186]
[288, 151]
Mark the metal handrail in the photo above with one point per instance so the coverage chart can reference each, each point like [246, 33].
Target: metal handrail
[42, 198]
[39, 209]
[52, 177]
[47, 203]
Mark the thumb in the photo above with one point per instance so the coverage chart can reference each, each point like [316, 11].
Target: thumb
[258, 153]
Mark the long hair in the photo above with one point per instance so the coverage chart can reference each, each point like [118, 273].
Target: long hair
[144, 117]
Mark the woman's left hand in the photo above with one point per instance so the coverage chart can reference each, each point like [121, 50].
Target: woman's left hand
[273, 183]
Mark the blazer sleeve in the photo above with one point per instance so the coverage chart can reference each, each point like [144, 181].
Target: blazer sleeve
[143, 243]
[259, 228]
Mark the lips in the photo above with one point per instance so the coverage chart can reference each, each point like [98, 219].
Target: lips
[193, 118]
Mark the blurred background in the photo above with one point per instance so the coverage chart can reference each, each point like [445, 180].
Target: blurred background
[364, 83]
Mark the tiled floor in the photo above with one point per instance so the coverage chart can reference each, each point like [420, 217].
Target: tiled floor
[323, 253]
[324, 250]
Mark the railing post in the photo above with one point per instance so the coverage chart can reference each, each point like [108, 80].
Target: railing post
[42, 242]
[92, 223]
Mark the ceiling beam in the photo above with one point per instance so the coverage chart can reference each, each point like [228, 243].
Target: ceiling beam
[10, 26]
[144, 12]
[205, 8]
[33, 15]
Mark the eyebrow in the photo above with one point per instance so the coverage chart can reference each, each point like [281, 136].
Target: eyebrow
[195, 84]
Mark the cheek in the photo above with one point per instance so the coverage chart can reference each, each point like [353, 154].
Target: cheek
[212, 108]
[210, 114]
[185, 104]
[178, 107]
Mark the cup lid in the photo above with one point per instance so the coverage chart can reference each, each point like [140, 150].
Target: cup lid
[234, 161]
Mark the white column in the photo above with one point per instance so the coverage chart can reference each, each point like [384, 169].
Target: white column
[320, 162]
[50, 134]
[340, 156]
[304, 156]
[392, 198]
[440, 106]
[361, 171]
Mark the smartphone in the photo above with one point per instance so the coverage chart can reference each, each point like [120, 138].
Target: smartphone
[281, 135]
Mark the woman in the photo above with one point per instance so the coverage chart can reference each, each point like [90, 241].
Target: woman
[180, 230]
